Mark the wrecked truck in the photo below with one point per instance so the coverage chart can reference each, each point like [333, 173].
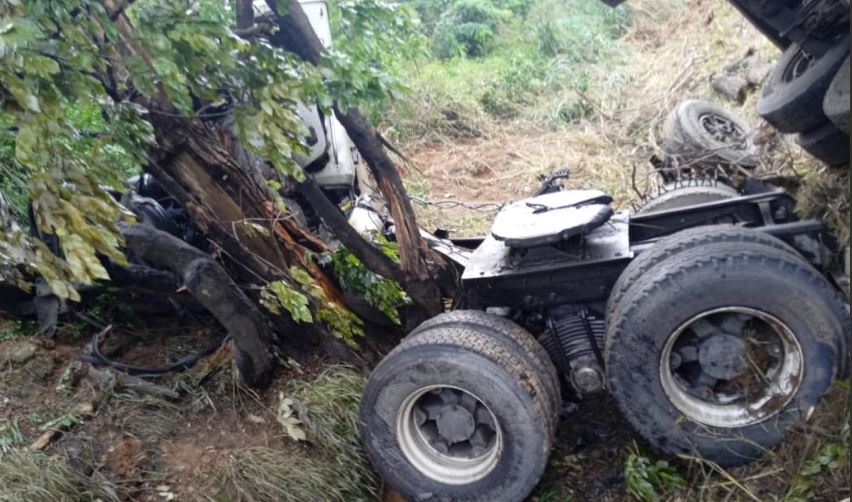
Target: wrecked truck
[715, 321]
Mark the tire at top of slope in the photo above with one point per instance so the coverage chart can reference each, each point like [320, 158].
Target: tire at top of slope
[685, 134]
[678, 243]
[792, 97]
[836, 104]
[510, 333]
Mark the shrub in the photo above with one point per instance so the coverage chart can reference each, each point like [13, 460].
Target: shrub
[467, 28]
[516, 84]
[581, 30]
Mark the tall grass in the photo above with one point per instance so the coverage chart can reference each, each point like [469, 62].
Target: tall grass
[540, 69]
[331, 467]
[27, 475]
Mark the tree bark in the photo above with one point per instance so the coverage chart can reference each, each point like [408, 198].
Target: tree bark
[245, 14]
[212, 287]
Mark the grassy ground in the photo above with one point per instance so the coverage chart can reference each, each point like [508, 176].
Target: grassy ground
[478, 131]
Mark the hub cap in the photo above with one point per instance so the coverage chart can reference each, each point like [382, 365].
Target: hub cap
[731, 367]
[723, 130]
[798, 66]
[449, 435]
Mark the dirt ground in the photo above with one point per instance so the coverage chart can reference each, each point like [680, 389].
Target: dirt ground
[153, 448]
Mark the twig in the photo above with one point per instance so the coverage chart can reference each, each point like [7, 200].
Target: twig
[716, 467]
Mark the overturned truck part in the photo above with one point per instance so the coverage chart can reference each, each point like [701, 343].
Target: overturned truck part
[715, 325]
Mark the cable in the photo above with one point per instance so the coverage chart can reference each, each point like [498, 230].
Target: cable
[98, 359]
[486, 207]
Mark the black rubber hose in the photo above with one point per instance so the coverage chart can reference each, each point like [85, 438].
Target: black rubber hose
[98, 359]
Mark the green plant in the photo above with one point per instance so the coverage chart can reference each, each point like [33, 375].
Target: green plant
[467, 28]
[518, 82]
[645, 479]
[11, 329]
[293, 297]
[64, 385]
[324, 413]
[372, 39]
[380, 292]
[10, 437]
[82, 95]
[830, 457]
[580, 30]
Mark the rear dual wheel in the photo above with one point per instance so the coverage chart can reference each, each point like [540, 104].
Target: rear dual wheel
[793, 94]
[456, 412]
[718, 348]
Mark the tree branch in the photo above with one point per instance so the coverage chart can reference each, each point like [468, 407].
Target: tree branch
[245, 14]
[211, 285]
[296, 35]
[372, 257]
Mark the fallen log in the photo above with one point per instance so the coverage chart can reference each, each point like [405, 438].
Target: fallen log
[211, 285]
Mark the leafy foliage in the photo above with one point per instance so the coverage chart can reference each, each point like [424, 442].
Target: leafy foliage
[80, 95]
[831, 457]
[430, 11]
[513, 86]
[584, 35]
[518, 77]
[468, 28]
[380, 292]
[278, 295]
[645, 479]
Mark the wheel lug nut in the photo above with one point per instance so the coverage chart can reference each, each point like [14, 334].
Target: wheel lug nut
[675, 360]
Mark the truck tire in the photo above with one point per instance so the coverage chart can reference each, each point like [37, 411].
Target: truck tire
[694, 341]
[677, 197]
[792, 96]
[702, 132]
[826, 143]
[462, 387]
[509, 333]
[685, 240]
[836, 103]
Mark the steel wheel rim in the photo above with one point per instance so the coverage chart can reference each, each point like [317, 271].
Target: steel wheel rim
[724, 130]
[417, 440]
[800, 63]
[777, 380]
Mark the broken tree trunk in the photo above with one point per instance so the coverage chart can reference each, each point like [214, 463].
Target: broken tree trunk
[229, 201]
[211, 285]
[202, 167]
[416, 259]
